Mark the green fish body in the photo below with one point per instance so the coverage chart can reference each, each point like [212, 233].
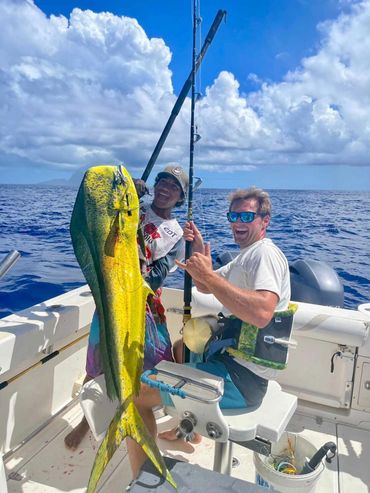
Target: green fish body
[103, 228]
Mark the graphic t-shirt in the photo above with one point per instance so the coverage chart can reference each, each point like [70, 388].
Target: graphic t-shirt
[163, 244]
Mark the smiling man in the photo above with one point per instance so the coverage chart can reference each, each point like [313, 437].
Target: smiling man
[251, 288]
[162, 233]
[256, 283]
[254, 289]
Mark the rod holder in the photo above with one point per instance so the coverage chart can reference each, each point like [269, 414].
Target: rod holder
[8, 262]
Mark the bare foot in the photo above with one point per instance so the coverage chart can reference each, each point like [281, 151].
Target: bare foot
[171, 436]
[74, 438]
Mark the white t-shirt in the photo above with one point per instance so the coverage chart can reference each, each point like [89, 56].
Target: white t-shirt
[261, 266]
[160, 235]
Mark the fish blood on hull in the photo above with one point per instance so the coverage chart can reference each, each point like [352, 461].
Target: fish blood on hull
[103, 229]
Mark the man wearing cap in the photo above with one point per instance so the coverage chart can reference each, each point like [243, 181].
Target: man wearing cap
[162, 233]
[162, 245]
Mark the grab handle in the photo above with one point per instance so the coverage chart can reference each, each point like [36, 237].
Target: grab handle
[178, 390]
[157, 384]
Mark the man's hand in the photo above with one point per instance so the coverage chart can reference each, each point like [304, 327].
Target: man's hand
[192, 233]
[141, 188]
[199, 265]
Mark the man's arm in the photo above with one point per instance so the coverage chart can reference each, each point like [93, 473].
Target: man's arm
[255, 307]
[158, 273]
[201, 287]
[162, 266]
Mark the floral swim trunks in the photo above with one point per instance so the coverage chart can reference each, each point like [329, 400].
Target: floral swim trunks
[157, 345]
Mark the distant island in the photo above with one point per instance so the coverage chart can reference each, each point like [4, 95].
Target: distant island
[73, 182]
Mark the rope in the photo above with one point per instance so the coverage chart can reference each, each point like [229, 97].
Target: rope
[156, 384]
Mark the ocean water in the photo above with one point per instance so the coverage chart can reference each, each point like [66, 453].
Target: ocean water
[319, 225]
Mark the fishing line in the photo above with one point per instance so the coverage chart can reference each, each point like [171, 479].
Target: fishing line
[202, 217]
[199, 74]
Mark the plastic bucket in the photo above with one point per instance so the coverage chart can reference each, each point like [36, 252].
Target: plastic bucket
[269, 477]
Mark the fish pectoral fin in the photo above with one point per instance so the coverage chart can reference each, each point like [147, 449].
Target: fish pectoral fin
[147, 288]
[110, 242]
[127, 422]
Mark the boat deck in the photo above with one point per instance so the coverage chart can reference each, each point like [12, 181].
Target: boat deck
[44, 465]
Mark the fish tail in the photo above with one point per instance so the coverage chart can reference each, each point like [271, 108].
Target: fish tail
[127, 422]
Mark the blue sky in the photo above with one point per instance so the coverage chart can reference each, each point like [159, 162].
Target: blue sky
[285, 85]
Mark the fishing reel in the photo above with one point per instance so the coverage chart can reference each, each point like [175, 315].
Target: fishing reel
[198, 332]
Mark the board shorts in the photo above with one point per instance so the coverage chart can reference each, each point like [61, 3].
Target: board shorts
[157, 345]
[242, 387]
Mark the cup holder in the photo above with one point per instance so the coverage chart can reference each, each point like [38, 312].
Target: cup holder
[364, 308]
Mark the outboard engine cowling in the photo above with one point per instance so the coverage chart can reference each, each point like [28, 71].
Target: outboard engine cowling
[224, 258]
[316, 282]
[311, 281]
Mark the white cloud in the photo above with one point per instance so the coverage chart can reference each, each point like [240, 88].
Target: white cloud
[81, 90]
[318, 115]
[93, 88]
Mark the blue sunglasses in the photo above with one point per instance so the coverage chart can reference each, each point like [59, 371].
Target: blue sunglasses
[245, 217]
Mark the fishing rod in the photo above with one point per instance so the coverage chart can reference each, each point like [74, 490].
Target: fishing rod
[184, 92]
[193, 136]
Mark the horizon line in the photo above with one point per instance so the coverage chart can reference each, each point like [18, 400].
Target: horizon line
[65, 185]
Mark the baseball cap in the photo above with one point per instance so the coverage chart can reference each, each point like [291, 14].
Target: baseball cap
[176, 172]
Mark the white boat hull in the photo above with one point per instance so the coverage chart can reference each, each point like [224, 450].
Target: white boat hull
[42, 360]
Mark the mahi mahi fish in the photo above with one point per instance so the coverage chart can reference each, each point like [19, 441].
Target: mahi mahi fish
[104, 230]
